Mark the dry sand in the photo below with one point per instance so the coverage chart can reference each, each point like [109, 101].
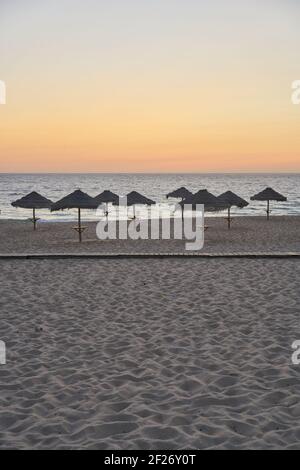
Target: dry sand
[252, 234]
[149, 354]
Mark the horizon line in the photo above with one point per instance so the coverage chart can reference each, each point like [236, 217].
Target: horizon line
[150, 172]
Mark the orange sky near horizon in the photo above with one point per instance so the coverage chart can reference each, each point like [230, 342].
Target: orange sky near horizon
[166, 88]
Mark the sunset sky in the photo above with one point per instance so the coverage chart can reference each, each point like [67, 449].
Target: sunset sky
[149, 85]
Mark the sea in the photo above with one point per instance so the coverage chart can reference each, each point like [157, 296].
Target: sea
[154, 186]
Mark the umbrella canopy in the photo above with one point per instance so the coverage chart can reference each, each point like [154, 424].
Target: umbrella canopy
[181, 193]
[211, 203]
[233, 200]
[33, 201]
[105, 197]
[76, 200]
[268, 195]
[134, 198]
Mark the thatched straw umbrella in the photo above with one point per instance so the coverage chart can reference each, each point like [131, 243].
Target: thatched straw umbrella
[233, 200]
[76, 200]
[210, 202]
[268, 195]
[136, 199]
[33, 201]
[106, 197]
[180, 193]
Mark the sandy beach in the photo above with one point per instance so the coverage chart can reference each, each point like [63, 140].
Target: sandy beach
[149, 354]
[248, 234]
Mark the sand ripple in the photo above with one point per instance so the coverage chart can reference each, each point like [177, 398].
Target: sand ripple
[149, 354]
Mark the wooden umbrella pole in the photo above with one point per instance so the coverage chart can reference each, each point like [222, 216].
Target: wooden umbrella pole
[79, 225]
[229, 220]
[34, 220]
[268, 210]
